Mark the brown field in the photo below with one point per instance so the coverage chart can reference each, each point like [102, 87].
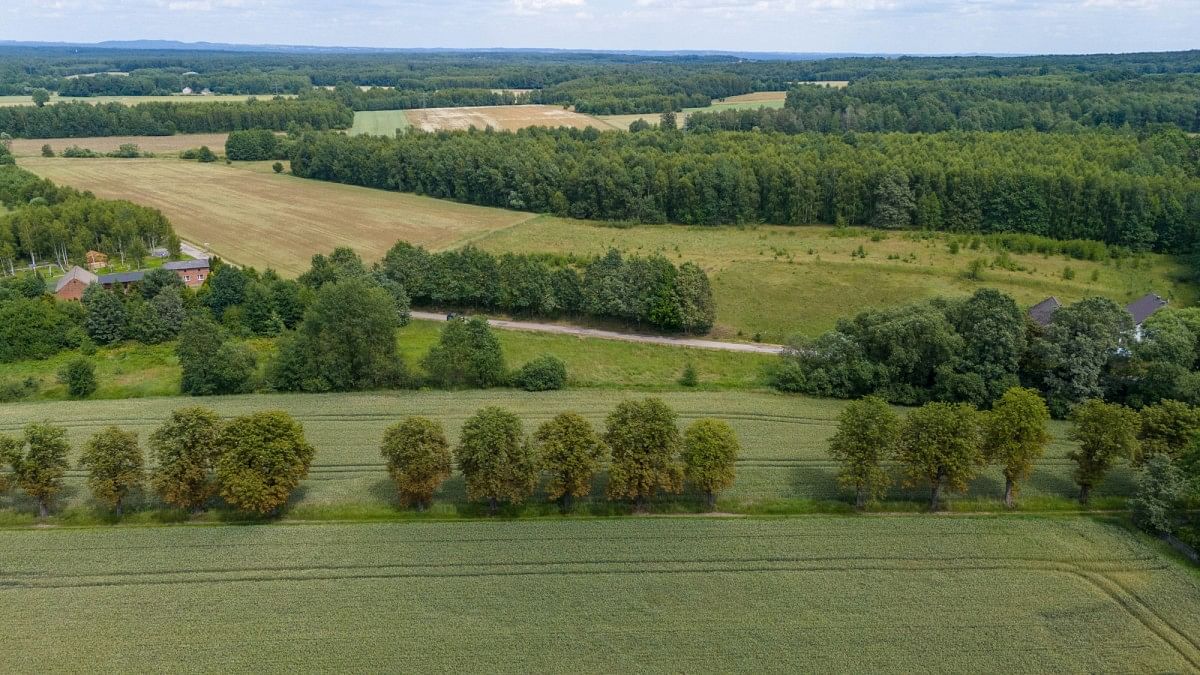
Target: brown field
[32, 147]
[499, 117]
[836, 84]
[255, 217]
[756, 97]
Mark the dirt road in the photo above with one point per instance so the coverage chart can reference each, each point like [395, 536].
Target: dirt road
[694, 343]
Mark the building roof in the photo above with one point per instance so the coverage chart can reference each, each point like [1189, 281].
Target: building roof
[1143, 307]
[179, 265]
[1044, 311]
[122, 277]
[74, 273]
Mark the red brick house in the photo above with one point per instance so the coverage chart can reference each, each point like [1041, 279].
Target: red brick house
[191, 272]
[71, 286]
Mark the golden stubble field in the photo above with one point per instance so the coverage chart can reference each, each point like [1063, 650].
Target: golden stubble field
[255, 217]
[499, 117]
[32, 147]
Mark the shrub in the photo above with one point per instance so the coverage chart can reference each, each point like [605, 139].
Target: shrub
[710, 449]
[467, 354]
[210, 364]
[277, 167]
[205, 155]
[495, 458]
[571, 451]
[264, 456]
[47, 151]
[80, 377]
[185, 449]
[418, 459]
[1160, 489]
[544, 373]
[689, 378]
[114, 463]
[18, 390]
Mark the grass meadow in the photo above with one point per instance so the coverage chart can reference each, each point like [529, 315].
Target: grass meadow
[820, 593]
[753, 101]
[784, 465]
[379, 122]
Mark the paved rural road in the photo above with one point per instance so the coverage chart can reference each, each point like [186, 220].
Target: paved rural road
[193, 251]
[615, 335]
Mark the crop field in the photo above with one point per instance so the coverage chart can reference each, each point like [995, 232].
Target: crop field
[278, 221]
[133, 370]
[379, 122]
[781, 280]
[168, 145]
[784, 442]
[499, 117]
[134, 100]
[868, 594]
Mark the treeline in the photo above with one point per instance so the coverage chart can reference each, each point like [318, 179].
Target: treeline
[69, 120]
[945, 446]
[626, 92]
[60, 225]
[1139, 193]
[388, 98]
[254, 462]
[994, 104]
[971, 350]
[642, 291]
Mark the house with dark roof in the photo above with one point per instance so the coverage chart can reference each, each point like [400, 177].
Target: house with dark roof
[1141, 309]
[191, 272]
[1043, 312]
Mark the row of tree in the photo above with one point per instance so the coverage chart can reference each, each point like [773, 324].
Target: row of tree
[253, 462]
[645, 291]
[1117, 188]
[69, 120]
[945, 445]
[641, 449]
[973, 349]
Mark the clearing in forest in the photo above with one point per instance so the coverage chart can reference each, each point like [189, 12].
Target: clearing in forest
[159, 145]
[255, 217]
[379, 122]
[826, 594]
[499, 117]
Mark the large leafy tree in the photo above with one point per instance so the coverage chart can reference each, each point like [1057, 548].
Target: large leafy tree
[211, 364]
[496, 459]
[1106, 433]
[467, 354]
[572, 453]
[185, 449]
[40, 462]
[940, 445]
[1167, 428]
[867, 436]
[1076, 348]
[418, 459]
[992, 329]
[644, 441]
[264, 456]
[1015, 436]
[106, 320]
[115, 465]
[710, 451]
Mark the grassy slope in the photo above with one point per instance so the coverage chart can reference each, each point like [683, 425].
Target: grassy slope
[134, 370]
[379, 122]
[784, 461]
[908, 594]
[779, 280]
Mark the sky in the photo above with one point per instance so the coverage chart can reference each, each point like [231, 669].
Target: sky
[874, 26]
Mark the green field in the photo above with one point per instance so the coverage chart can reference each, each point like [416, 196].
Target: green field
[134, 370]
[134, 100]
[765, 99]
[781, 280]
[378, 122]
[813, 594]
[784, 440]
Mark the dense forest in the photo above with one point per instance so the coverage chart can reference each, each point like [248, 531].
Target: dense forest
[75, 120]
[1142, 193]
[1050, 103]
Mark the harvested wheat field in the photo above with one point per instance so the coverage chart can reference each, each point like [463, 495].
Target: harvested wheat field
[499, 117]
[32, 147]
[268, 220]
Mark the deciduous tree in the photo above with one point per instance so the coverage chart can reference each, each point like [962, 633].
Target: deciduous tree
[710, 450]
[185, 449]
[1015, 436]
[495, 458]
[572, 452]
[1106, 432]
[867, 436]
[115, 466]
[418, 459]
[40, 462]
[644, 441]
[940, 444]
[264, 456]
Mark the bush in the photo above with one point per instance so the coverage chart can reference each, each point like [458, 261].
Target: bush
[277, 167]
[205, 155]
[80, 377]
[545, 373]
[1160, 489]
[689, 378]
[18, 390]
[467, 355]
[47, 151]
[210, 364]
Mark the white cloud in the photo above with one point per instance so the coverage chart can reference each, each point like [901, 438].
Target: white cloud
[539, 6]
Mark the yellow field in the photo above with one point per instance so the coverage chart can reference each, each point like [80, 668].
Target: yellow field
[32, 147]
[499, 117]
[255, 217]
[134, 100]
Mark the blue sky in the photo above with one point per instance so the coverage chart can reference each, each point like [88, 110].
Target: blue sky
[908, 26]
